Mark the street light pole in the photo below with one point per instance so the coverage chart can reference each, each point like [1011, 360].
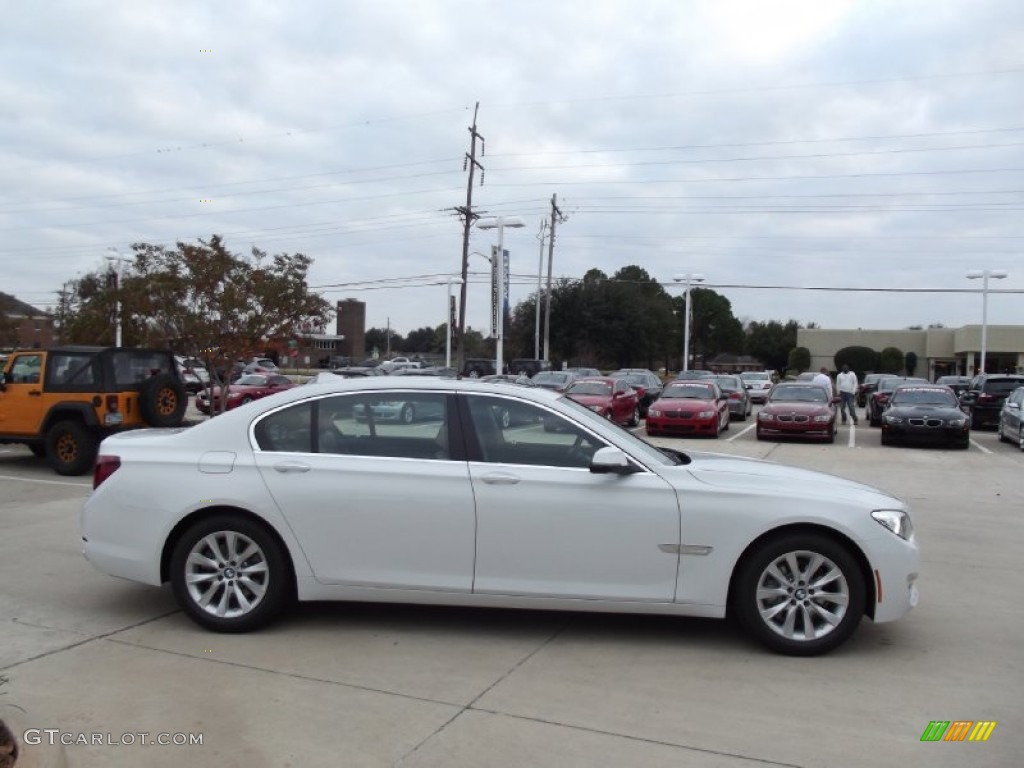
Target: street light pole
[985, 274]
[689, 278]
[540, 275]
[117, 294]
[448, 323]
[499, 223]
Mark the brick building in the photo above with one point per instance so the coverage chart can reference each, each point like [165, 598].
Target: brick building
[24, 326]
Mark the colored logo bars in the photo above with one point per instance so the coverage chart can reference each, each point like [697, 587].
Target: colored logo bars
[958, 730]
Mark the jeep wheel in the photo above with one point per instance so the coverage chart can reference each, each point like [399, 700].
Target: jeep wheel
[71, 448]
[162, 401]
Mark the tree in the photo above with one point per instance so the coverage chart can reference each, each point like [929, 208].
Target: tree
[890, 360]
[771, 342]
[201, 300]
[799, 359]
[422, 340]
[910, 362]
[378, 338]
[860, 359]
[713, 327]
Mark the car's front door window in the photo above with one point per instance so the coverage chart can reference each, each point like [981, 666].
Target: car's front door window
[511, 431]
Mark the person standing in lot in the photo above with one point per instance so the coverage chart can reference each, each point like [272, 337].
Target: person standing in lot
[822, 379]
[846, 383]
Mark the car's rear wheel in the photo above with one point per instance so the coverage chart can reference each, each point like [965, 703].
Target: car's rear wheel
[229, 574]
[1020, 437]
[1002, 436]
[71, 448]
[163, 400]
[800, 594]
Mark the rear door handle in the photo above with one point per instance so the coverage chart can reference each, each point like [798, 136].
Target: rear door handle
[500, 478]
[291, 466]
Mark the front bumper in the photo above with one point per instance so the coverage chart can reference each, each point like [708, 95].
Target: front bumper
[895, 565]
[918, 434]
[681, 426]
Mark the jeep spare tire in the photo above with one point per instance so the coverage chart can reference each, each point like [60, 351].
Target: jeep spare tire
[163, 400]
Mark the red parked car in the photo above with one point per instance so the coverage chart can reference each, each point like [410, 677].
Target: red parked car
[614, 399]
[251, 386]
[697, 407]
[796, 409]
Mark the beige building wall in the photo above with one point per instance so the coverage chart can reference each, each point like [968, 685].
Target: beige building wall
[940, 351]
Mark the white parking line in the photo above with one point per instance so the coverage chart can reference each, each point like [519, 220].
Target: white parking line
[980, 447]
[741, 433]
[45, 482]
[853, 437]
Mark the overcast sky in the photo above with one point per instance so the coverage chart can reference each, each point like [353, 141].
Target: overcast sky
[819, 143]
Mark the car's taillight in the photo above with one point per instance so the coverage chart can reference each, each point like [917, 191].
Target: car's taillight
[985, 398]
[734, 396]
[105, 467]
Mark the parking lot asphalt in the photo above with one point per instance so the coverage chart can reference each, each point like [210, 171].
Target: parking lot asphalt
[378, 685]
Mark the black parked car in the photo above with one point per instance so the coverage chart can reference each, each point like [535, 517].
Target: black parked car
[925, 413]
[879, 399]
[983, 399]
[958, 384]
[528, 366]
[868, 387]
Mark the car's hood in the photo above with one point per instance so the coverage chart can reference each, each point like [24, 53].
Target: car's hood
[807, 409]
[675, 403]
[589, 400]
[939, 411]
[743, 475]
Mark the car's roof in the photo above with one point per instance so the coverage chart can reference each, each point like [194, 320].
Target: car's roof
[421, 383]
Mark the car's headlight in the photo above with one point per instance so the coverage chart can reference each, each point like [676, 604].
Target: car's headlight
[705, 414]
[764, 416]
[896, 520]
[890, 419]
[823, 418]
[653, 412]
[234, 395]
[957, 422]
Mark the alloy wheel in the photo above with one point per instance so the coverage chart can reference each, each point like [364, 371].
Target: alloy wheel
[802, 595]
[226, 574]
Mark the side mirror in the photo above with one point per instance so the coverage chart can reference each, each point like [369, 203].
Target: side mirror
[612, 461]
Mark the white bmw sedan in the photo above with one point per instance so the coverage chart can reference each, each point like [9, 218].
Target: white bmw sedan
[294, 497]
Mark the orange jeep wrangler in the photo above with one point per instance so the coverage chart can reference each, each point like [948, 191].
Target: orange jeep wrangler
[62, 402]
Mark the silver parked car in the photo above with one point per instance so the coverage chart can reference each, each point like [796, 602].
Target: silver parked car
[739, 396]
[1011, 418]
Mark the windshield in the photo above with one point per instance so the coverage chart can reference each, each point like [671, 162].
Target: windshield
[786, 394]
[636, 378]
[551, 378]
[688, 391]
[252, 380]
[924, 397]
[590, 388]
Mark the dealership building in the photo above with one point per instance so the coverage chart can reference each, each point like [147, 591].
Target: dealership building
[940, 351]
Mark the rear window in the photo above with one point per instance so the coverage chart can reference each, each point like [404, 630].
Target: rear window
[132, 367]
[1002, 386]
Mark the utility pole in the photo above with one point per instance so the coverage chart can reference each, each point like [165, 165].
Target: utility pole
[468, 217]
[556, 216]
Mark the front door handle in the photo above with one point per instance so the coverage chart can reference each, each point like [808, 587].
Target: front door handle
[291, 466]
[500, 478]
[35, 393]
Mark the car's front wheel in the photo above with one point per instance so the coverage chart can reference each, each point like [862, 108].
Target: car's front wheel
[408, 414]
[229, 574]
[634, 420]
[800, 594]
[1020, 437]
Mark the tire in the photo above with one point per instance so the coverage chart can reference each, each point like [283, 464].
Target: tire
[474, 373]
[975, 421]
[246, 400]
[634, 420]
[1002, 438]
[1020, 437]
[71, 448]
[728, 421]
[198, 553]
[791, 627]
[163, 400]
[408, 414]
[886, 440]
[38, 450]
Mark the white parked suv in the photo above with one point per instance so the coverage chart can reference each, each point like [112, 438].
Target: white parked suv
[759, 383]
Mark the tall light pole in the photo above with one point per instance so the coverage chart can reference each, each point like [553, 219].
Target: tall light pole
[540, 275]
[985, 274]
[689, 278]
[448, 323]
[499, 223]
[117, 293]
